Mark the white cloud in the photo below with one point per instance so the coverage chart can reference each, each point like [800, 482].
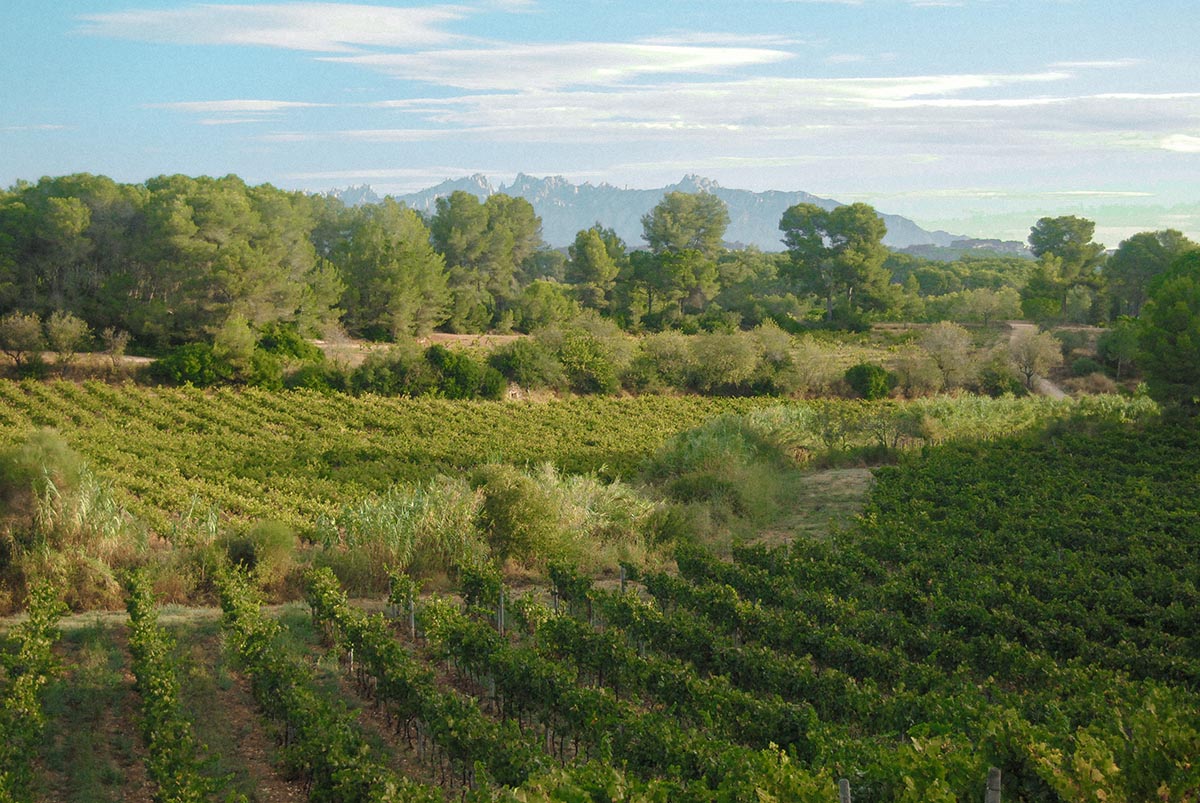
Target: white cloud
[234, 106]
[232, 120]
[554, 66]
[1095, 65]
[1181, 143]
[720, 38]
[318, 27]
[15, 129]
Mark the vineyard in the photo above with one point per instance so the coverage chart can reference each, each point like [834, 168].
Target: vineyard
[1027, 604]
[297, 456]
[300, 456]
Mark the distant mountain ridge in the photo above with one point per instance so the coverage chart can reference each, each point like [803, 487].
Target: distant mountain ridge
[565, 208]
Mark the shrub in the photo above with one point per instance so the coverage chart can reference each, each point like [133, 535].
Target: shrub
[268, 549]
[722, 362]
[284, 340]
[192, 364]
[461, 376]
[527, 363]
[400, 371]
[588, 364]
[726, 463]
[870, 381]
[66, 333]
[1085, 366]
[322, 377]
[264, 371]
[519, 517]
[21, 336]
[662, 359]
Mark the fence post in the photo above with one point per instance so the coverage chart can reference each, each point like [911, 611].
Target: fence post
[843, 791]
[993, 786]
[500, 614]
[412, 616]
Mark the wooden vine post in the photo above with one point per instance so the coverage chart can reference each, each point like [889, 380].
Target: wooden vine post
[993, 786]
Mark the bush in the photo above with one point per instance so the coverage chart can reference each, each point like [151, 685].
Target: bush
[870, 381]
[662, 360]
[268, 549]
[21, 336]
[191, 364]
[264, 371]
[321, 377]
[461, 376]
[528, 363]
[284, 341]
[1085, 366]
[400, 371]
[519, 517]
[722, 362]
[727, 463]
[589, 366]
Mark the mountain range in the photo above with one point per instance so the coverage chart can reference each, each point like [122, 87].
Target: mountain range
[565, 208]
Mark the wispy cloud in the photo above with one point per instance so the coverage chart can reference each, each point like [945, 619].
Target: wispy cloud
[317, 27]
[1181, 143]
[16, 129]
[721, 38]
[1105, 64]
[234, 106]
[555, 66]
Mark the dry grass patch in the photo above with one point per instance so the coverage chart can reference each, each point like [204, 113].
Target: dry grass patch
[819, 503]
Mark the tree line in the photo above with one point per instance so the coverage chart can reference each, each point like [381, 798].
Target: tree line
[89, 262]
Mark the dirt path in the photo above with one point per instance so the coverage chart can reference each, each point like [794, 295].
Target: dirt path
[94, 747]
[1041, 385]
[227, 721]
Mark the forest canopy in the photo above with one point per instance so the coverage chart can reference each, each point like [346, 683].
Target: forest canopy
[178, 260]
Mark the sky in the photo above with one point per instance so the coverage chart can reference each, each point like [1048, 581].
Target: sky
[975, 116]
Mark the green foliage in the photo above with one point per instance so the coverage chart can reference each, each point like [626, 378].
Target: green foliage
[461, 376]
[423, 527]
[396, 284]
[59, 521]
[21, 337]
[195, 364]
[1169, 335]
[285, 341]
[1118, 346]
[519, 517]
[1085, 366]
[543, 304]
[321, 377]
[66, 334]
[1137, 263]
[837, 255]
[24, 673]
[528, 363]
[727, 462]
[588, 362]
[173, 764]
[267, 549]
[323, 747]
[1033, 354]
[870, 381]
[686, 221]
[401, 370]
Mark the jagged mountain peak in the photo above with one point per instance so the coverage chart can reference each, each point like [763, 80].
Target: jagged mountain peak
[566, 208]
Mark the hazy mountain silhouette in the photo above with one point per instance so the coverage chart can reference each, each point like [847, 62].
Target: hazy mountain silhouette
[565, 208]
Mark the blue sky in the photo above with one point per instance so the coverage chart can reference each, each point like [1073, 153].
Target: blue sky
[972, 115]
